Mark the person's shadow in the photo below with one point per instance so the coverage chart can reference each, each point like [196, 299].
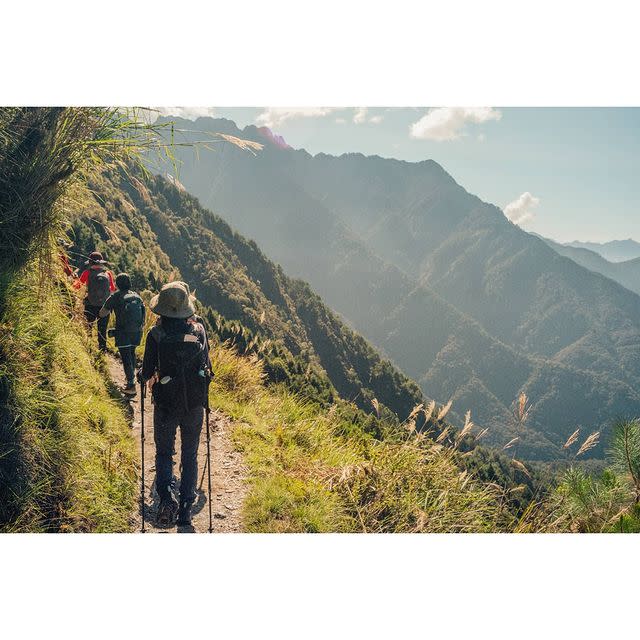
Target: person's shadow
[197, 507]
[185, 528]
[151, 510]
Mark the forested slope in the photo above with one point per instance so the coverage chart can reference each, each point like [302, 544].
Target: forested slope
[157, 231]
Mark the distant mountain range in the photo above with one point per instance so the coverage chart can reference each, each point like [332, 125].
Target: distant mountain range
[614, 251]
[626, 273]
[463, 301]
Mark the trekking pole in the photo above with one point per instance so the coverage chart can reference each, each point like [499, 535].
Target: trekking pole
[208, 412]
[204, 471]
[143, 387]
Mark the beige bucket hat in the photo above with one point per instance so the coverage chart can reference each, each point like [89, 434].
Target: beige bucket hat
[173, 301]
[186, 286]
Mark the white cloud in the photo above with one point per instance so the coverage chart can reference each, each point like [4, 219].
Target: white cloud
[274, 116]
[361, 116]
[521, 209]
[189, 113]
[447, 123]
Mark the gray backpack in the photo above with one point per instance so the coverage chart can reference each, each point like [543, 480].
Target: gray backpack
[130, 318]
[98, 287]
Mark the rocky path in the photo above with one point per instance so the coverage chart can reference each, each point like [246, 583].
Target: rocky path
[227, 479]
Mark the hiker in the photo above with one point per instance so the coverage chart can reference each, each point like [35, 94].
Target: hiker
[100, 285]
[176, 357]
[130, 312]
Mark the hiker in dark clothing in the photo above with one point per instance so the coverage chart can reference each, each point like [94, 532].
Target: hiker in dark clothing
[130, 312]
[100, 285]
[176, 357]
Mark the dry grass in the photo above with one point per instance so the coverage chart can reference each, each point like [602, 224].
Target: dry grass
[571, 440]
[590, 442]
[305, 475]
[521, 409]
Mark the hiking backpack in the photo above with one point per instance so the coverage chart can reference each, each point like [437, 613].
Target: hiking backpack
[98, 287]
[182, 368]
[131, 316]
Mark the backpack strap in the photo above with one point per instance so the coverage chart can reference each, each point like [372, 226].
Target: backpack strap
[157, 333]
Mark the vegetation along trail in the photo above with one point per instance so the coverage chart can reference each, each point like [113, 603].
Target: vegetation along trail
[227, 479]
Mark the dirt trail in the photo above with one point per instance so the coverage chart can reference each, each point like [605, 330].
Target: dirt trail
[227, 479]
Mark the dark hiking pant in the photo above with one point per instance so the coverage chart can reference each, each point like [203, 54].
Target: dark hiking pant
[128, 357]
[165, 425]
[92, 314]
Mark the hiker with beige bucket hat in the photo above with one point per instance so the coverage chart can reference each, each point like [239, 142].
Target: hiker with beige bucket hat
[176, 359]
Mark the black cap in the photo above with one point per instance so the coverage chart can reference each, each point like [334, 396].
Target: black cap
[123, 281]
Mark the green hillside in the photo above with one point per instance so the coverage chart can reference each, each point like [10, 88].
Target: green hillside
[67, 460]
[157, 231]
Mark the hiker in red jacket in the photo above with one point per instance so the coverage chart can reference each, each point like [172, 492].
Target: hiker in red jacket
[100, 285]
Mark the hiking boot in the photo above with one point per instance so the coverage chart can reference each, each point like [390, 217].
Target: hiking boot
[130, 390]
[166, 512]
[184, 514]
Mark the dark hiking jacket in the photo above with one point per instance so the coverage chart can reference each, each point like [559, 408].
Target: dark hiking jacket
[123, 336]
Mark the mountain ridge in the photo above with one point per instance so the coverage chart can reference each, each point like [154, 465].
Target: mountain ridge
[388, 269]
[613, 251]
[625, 273]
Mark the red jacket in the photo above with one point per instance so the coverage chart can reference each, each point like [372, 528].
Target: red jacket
[66, 267]
[84, 278]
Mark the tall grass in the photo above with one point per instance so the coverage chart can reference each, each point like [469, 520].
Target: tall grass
[67, 461]
[42, 152]
[589, 503]
[310, 472]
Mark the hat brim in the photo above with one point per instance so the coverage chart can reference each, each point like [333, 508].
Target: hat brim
[90, 262]
[168, 312]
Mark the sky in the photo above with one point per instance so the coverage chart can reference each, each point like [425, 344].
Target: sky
[565, 173]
